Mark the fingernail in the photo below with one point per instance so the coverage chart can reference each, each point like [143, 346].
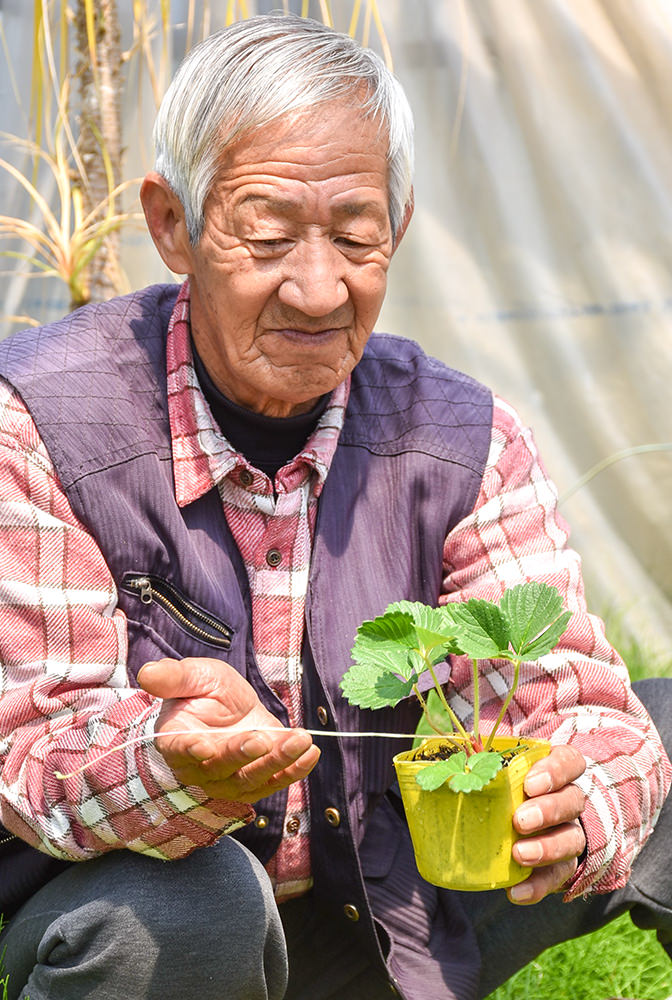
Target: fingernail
[521, 892]
[538, 784]
[201, 751]
[529, 817]
[150, 663]
[253, 747]
[295, 744]
[529, 851]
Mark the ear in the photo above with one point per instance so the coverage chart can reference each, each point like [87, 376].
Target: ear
[404, 222]
[164, 215]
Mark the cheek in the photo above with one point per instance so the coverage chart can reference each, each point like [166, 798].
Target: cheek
[235, 289]
[368, 296]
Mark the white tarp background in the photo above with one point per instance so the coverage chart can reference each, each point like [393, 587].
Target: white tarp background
[539, 259]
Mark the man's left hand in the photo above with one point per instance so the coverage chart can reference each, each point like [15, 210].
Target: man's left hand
[549, 819]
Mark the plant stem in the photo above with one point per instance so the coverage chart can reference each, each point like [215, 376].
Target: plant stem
[477, 704]
[425, 710]
[516, 671]
[442, 698]
[423, 705]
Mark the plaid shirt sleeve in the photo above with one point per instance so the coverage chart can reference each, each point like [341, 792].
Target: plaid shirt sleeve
[64, 691]
[580, 694]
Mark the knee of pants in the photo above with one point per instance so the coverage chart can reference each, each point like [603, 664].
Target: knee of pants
[655, 693]
[214, 888]
[649, 890]
[152, 927]
[194, 902]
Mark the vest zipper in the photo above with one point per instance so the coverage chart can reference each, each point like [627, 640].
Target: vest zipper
[193, 619]
[8, 838]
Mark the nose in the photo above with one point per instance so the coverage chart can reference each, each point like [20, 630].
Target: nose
[315, 278]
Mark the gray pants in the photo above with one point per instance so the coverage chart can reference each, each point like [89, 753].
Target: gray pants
[127, 927]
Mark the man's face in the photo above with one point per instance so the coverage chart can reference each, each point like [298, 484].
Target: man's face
[290, 273]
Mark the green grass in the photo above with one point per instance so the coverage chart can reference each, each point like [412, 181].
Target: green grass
[642, 660]
[4, 978]
[617, 961]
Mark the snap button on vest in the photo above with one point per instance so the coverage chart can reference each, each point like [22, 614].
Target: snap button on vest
[274, 557]
[332, 816]
[293, 824]
[351, 912]
[322, 714]
[261, 822]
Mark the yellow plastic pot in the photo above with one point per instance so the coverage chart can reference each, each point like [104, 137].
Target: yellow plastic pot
[463, 840]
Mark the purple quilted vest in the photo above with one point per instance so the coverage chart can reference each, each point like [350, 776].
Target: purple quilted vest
[407, 469]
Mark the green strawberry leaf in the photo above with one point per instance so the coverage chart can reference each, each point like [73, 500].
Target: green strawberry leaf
[374, 686]
[482, 631]
[464, 774]
[391, 652]
[386, 642]
[433, 619]
[434, 628]
[547, 640]
[485, 764]
[435, 647]
[416, 664]
[536, 618]
[467, 782]
[438, 772]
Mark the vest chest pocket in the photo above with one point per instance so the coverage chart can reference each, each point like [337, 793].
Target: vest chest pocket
[183, 612]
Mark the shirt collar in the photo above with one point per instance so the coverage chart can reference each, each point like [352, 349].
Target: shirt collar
[202, 456]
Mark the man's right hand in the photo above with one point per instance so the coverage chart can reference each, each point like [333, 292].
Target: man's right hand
[201, 694]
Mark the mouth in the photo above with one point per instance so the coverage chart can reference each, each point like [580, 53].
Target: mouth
[314, 338]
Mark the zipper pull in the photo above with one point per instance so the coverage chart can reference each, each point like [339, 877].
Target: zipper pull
[144, 585]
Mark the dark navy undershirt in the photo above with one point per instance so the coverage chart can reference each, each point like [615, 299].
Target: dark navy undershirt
[268, 443]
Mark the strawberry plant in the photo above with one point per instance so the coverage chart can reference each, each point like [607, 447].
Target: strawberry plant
[392, 652]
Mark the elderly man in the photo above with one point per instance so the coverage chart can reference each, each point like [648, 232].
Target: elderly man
[205, 489]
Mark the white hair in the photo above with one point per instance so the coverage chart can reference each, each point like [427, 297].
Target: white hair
[256, 71]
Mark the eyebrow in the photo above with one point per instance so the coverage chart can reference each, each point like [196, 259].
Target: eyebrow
[283, 206]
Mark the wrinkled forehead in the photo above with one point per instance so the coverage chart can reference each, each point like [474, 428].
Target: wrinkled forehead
[334, 149]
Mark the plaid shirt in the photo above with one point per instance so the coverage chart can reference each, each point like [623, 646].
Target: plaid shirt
[65, 694]
[260, 524]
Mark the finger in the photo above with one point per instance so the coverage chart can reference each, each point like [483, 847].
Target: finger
[208, 689]
[244, 787]
[563, 765]
[564, 843]
[242, 764]
[193, 677]
[542, 882]
[227, 753]
[285, 750]
[546, 811]
[297, 771]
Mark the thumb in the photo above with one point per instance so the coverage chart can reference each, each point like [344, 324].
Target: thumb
[167, 678]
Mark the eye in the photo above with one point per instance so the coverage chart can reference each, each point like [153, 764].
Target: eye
[270, 247]
[353, 248]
